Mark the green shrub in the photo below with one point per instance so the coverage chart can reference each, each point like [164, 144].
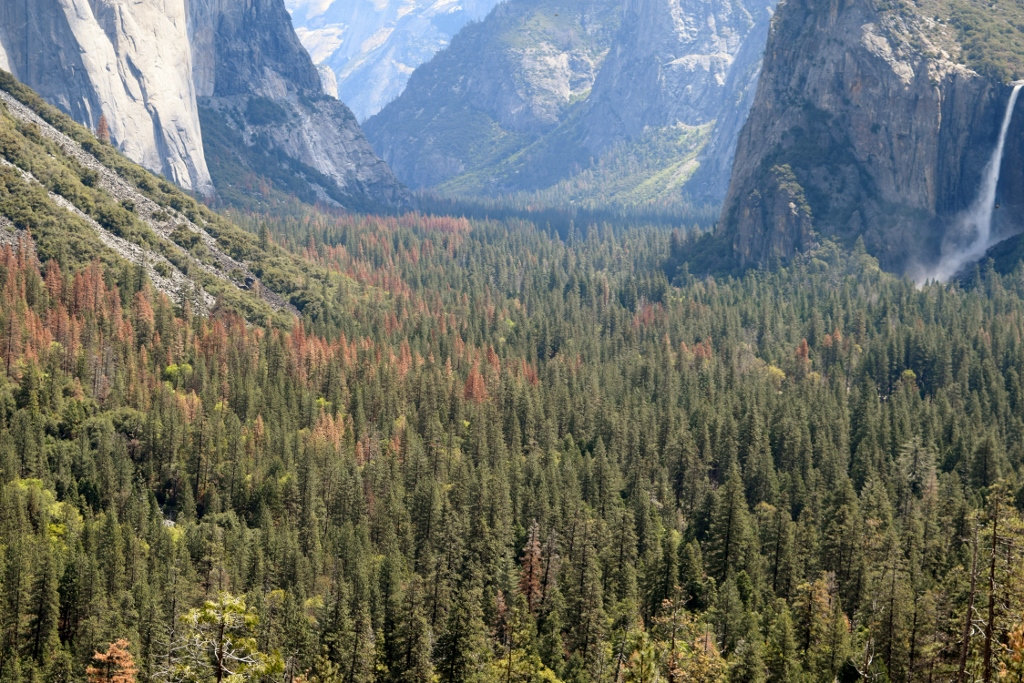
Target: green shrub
[263, 111]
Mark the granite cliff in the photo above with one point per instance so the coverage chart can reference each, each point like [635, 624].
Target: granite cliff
[130, 62]
[175, 80]
[870, 121]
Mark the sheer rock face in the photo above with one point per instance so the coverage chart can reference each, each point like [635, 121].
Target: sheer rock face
[247, 47]
[884, 136]
[672, 64]
[127, 61]
[254, 75]
[149, 67]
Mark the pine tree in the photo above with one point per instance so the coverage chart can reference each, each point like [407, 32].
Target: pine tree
[462, 654]
[781, 655]
[116, 665]
[520, 662]
[418, 666]
[746, 665]
[692, 578]
[643, 665]
[530, 570]
[890, 609]
[362, 658]
[44, 604]
[730, 528]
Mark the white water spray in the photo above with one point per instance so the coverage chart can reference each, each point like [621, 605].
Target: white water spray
[973, 236]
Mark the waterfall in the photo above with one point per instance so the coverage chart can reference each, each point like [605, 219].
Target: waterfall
[973, 236]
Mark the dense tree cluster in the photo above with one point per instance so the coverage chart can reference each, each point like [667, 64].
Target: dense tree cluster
[499, 456]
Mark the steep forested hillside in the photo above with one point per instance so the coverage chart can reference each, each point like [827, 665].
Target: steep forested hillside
[81, 201]
[513, 459]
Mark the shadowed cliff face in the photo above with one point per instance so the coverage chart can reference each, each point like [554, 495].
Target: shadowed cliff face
[1009, 217]
[880, 139]
[245, 47]
[264, 107]
[128, 61]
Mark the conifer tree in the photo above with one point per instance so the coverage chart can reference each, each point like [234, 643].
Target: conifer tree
[730, 527]
[103, 130]
[781, 654]
[462, 653]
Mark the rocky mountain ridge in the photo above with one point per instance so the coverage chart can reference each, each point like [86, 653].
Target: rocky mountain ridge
[683, 63]
[591, 99]
[266, 115]
[499, 86]
[173, 81]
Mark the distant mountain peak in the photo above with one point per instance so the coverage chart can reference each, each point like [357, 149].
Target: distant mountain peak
[373, 46]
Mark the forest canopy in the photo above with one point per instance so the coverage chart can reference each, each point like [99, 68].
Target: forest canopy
[503, 456]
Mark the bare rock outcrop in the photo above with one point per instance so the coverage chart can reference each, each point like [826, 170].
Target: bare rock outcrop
[126, 61]
[499, 86]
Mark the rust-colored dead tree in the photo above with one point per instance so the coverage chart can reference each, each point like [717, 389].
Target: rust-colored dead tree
[116, 665]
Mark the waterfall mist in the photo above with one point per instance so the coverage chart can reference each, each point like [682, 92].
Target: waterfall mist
[972, 236]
